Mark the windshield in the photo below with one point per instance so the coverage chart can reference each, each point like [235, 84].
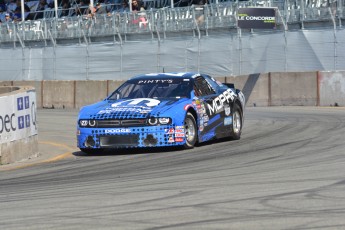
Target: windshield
[153, 88]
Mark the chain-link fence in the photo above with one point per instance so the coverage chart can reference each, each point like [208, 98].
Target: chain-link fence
[117, 46]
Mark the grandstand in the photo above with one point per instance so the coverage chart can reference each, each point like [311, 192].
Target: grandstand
[308, 37]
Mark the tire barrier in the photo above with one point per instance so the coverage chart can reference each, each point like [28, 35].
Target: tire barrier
[18, 126]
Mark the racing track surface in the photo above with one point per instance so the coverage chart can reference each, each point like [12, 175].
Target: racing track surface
[286, 172]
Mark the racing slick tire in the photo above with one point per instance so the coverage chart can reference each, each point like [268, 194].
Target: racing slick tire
[236, 122]
[190, 130]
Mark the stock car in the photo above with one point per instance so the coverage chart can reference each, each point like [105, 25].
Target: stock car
[162, 109]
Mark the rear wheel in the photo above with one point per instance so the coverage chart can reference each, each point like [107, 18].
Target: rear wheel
[236, 122]
[190, 130]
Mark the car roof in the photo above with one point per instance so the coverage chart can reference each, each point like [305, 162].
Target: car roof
[166, 75]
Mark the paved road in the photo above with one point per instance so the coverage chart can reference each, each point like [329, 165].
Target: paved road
[286, 172]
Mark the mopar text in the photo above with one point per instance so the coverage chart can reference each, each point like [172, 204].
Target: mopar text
[218, 102]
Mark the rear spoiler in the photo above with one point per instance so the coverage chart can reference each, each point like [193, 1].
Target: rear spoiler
[230, 85]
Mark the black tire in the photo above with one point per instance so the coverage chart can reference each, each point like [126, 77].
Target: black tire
[190, 130]
[91, 151]
[236, 122]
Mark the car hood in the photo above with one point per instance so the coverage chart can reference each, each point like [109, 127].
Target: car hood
[132, 108]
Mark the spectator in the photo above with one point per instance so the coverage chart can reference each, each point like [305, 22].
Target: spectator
[100, 9]
[42, 6]
[81, 8]
[199, 11]
[19, 6]
[11, 6]
[124, 7]
[2, 15]
[66, 5]
[137, 5]
[18, 12]
[51, 4]
[8, 17]
[3, 6]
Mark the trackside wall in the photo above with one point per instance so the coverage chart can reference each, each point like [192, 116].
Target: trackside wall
[18, 127]
[316, 88]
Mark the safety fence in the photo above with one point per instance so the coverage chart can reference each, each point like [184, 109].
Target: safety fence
[158, 22]
[170, 39]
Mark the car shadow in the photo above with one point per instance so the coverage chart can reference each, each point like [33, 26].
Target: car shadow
[128, 151]
[138, 151]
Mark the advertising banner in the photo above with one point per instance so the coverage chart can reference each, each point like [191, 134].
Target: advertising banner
[256, 18]
[17, 116]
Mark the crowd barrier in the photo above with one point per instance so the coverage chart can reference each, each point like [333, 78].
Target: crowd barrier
[164, 20]
[18, 128]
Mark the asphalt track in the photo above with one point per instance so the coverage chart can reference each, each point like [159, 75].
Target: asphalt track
[286, 172]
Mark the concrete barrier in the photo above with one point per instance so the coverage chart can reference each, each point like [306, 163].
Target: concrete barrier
[18, 128]
[59, 94]
[255, 88]
[88, 92]
[267, 89]
[331, 88]
[293, 89]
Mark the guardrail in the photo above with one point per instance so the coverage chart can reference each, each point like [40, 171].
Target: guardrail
[221, 15]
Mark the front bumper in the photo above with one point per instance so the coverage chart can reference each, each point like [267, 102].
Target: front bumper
[131, 137]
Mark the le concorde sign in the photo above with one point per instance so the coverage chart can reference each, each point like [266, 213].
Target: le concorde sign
[256, 18]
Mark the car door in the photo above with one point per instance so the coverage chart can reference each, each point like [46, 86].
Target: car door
[210, 110]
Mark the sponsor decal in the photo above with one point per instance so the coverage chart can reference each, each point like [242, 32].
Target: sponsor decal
[206, 118]
[169, 131]
[179, 130]
[179, 135]
[186, 107]
[242, 98]
[112, 131]
[124, 109]
[26, 102]
[155, 81]
[27, 120]
[83, 122]
[145, 111]
[203, 109]
[257, 18]
[171, 139]
[228, 121]
[227, 110]
[218, 103]
[179, 127]
[133, 102]
[20, 104]
[179, 139]
[17, 116]
[7, 123]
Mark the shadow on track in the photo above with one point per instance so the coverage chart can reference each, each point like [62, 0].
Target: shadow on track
[128, 151]
[135, 151]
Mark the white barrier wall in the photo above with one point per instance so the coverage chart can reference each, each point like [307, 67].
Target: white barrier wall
[18, 126]
[332, 88]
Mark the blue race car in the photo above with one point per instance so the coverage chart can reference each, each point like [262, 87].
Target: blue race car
[163, 109]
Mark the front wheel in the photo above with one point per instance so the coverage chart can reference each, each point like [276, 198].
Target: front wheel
[236, 122]
[190, 130]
